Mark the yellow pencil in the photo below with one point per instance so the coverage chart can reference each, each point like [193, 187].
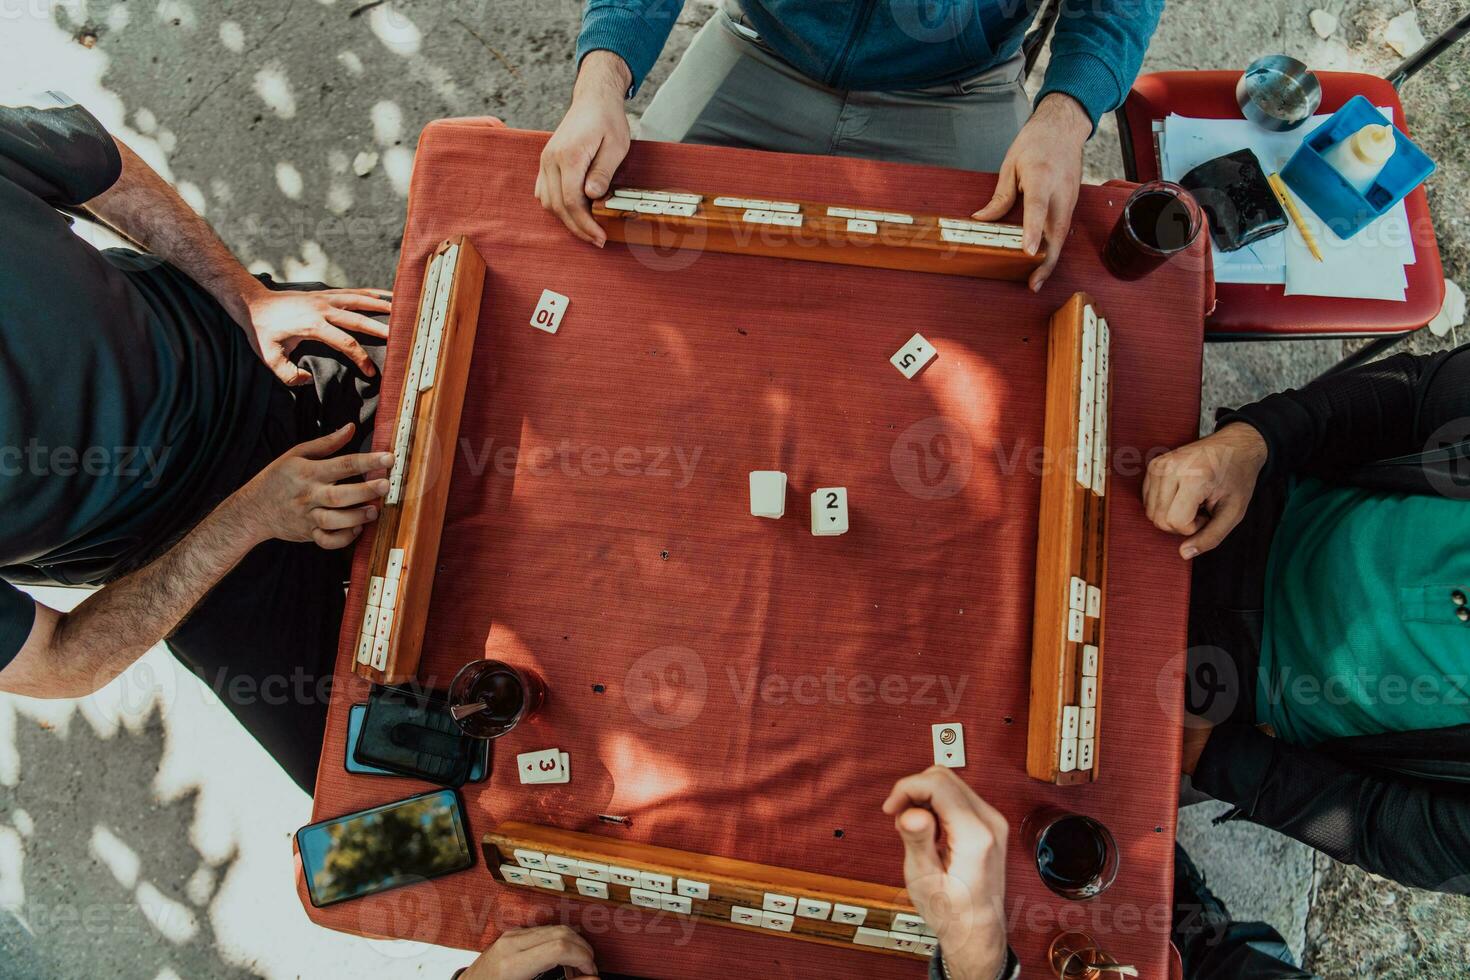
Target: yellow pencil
[1284, 196]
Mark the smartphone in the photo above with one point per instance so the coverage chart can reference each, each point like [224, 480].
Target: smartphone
[478, 768]
[388, 846]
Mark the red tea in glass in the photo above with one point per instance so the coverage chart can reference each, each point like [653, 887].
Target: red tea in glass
[488, 698]
[1075, 856]
[1160, 219]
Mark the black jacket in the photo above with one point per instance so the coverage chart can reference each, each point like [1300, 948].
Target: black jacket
[1397, 804]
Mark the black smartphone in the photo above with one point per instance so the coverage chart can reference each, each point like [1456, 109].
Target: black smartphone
[388, 846]
[411, 733]
[479, 769]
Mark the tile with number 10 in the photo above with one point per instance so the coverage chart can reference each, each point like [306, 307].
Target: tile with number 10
[549, 311]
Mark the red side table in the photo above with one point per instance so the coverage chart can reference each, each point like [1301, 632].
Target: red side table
[1249, 311]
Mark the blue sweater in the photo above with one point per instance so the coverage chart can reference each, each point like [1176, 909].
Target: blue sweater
[890, 45]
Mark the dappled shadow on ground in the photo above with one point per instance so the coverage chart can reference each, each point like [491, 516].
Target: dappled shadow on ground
[98, 877]
[292, 125]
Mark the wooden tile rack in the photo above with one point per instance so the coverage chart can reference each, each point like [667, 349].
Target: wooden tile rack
[729, 892]
[406, 545]
[1071, 551]
[812, 232]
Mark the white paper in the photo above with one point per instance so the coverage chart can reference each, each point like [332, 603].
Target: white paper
[1368, 266]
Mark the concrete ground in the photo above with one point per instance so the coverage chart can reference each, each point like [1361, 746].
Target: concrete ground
[141, 834]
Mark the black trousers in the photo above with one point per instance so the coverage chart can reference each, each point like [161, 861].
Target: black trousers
[265, 638]
[1211, 946]
[1226, 619]
[1227, 612]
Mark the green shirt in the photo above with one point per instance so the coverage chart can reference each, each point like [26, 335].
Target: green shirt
[1364, 597]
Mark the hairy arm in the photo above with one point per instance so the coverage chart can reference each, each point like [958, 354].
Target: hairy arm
[70, 655]
[144, 207]
[308, 494]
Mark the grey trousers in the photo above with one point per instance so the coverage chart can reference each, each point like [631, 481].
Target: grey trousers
[730, 89]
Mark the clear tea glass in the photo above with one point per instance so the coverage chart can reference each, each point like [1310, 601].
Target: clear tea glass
[1072, 955]
[488, 698]
[1160, 219]
[1075, 856]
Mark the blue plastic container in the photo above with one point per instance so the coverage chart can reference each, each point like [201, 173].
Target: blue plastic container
[1337, 202]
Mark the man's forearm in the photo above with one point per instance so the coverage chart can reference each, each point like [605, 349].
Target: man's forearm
[635, 31]
[602, 73]
[144, 207]
[1097, 49]
[98, 640]
[1376, 411]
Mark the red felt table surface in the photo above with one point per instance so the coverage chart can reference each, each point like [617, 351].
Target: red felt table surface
[764, 688]
[1259, 311]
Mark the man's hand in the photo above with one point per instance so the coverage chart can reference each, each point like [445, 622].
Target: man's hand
[277, 321]
[523, 954]
[960, 894]
[1044, 165]
[589, 145]
[1202, 490]
[296, 498]
[146, 209]
[300, 497]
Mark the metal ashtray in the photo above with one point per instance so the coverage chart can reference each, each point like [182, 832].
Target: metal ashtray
[1278, 93]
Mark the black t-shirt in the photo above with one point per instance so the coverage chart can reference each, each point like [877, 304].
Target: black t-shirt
[128, 396]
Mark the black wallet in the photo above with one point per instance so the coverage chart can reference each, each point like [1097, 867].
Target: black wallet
[1238, 202]
[411, 733]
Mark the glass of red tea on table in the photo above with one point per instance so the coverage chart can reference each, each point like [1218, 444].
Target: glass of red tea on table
[488, 698]
[1076, 856]
[1160, 219]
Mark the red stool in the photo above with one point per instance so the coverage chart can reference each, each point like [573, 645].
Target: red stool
[1247, 311]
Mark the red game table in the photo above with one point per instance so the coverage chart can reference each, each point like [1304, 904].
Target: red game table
[734, 685]
[1249, 311]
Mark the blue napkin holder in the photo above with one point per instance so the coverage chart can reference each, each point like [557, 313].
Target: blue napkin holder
[1337, 202]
